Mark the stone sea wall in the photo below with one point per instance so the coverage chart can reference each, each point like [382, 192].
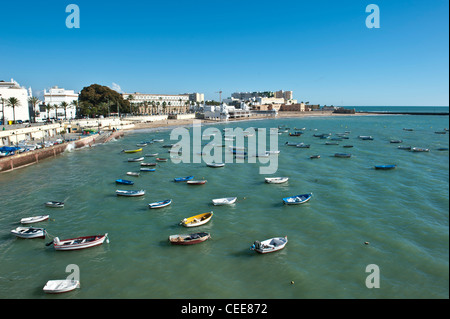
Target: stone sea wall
[32, 157]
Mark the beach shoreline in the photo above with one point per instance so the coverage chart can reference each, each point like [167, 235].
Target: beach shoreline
[167, 124]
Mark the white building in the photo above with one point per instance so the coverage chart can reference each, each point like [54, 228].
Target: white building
[21, 110]
[55, 96]
[158, 103]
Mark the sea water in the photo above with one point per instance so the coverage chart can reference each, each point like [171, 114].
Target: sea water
[358, 216]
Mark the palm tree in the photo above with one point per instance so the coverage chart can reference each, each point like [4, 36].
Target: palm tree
[13, 102]
[48, 107]
[64, 105]
[76, 105]
[33, 101]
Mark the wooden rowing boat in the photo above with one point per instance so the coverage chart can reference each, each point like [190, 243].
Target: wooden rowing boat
[79, 242]
[197, 220]
[132, 151]
[60, 286]
[276, 180]
[29, 232]
[269, 245]
[160, 204]
[189, 239]
[34, 219]
[297, 199]
[224, 201]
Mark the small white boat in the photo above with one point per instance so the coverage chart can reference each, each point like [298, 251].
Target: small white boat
[151, 155]
[158, 140]
[160, 204]
[215, 165]
[54, 204]
[34, 219]
[79, 242]
[130, 193]
[224, 201]
[29, 232]
[138, 159]
[419, 149]
[269, 245]
[133, 174]
[276, 180]
[60, 286]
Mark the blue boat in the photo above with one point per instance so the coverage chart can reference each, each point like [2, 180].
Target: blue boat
[160, 204]
[297, 199]
[145, 169]
[183, 179]
[124, 182]
[390, 166]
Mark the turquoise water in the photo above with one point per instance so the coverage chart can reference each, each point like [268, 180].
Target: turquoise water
[402, 213]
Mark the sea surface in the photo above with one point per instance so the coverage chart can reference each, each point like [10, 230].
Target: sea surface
[397, 219]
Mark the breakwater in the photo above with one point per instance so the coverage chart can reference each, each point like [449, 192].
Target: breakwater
[32, 157]
[403, 113]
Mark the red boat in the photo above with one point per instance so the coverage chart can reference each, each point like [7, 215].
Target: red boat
[189, 239]
[79, 242]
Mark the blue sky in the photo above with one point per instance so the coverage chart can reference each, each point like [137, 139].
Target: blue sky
[321, 50]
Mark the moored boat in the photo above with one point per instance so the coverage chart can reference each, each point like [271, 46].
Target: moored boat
[149, 164]
[54, 204]
[314, 156]
[151, 154]
[183, 179]
[137, 159]
[130, 193]
[269, 245]
[132, 151]
[385, 167]
[215, 165]
[395, 141]
[276, 180]
[196, 182]
[29, 232]
[146, 169]
[160, 204]
[419, 149]
[189, 239]
[344, 155]
[79, 242]
[124, 182]
[224, 201]
[197, 220]
[133, 174]
[160, 159]
[34, 219]
[60, 286]
[297, 199]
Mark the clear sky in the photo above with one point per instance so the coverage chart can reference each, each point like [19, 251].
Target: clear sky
[320, 50]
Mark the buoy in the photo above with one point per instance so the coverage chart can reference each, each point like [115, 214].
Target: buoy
[292, 282]
[366, 243]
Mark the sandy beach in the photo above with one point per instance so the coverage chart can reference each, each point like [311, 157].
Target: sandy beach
[187, 122]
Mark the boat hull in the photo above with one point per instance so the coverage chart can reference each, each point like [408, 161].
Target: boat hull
[190, 239]
[60, 286]
[79, 242]
[197, 220]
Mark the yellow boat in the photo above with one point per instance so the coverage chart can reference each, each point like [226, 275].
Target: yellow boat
[133, 151]
[197, 220]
